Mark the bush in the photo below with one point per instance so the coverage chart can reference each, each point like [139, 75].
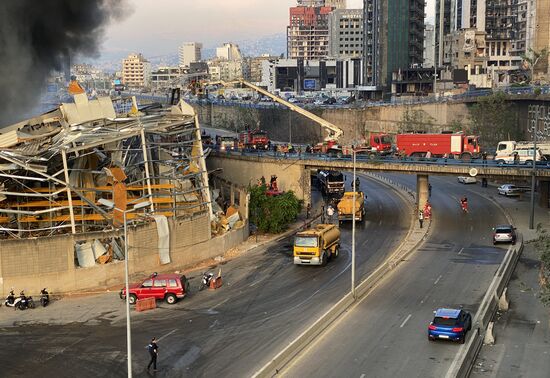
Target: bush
[273, 214]
[543, 247]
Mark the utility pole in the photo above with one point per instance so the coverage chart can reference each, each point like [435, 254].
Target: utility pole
[534, 129]
[353, 231]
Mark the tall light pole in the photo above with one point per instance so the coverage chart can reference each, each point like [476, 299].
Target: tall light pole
[534, 130]
[353, 229]
[141, 205]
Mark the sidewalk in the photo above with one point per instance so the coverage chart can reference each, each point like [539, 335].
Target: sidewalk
[522, 334]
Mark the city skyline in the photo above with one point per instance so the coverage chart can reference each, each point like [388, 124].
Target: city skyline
[148, 28]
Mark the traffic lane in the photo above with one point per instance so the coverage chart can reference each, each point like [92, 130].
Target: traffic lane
[298, 294]
[386, 333]
[265, 302]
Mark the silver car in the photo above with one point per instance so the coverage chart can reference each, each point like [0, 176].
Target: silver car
[508, 190]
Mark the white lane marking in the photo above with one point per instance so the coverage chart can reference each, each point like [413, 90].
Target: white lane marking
[257, 282]
[423, 299]
[405, 321]
[168, 334]
[363, 375]
[219, 304]
[436, 281]
[461, 249]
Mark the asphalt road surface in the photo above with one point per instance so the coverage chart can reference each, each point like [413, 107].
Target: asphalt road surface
[265, 302]
[385, 335]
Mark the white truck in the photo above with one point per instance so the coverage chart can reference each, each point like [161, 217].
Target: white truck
[506, 148]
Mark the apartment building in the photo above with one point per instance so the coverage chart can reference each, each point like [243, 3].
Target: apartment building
[136, 71]
[308, 33]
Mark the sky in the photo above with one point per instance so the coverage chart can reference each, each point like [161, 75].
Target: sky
[158, 27]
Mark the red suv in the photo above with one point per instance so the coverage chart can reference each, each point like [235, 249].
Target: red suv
[169, 287]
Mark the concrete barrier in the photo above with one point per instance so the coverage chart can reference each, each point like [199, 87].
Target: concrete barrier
[467, 354]
[489, 336]
[278, 362]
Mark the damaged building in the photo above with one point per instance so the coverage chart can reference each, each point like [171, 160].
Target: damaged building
[70, 177]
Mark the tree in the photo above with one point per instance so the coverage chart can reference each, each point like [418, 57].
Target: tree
[532, 57]
[543, 247]
[415, 120]
[494, 120]
[273, 213]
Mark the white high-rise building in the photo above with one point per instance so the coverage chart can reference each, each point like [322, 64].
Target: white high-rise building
[229, 51]
[189, 52]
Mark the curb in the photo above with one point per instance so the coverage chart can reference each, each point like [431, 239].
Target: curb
[467, 354]
[277, 363]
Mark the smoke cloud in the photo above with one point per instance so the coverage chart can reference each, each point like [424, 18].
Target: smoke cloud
[38, 37]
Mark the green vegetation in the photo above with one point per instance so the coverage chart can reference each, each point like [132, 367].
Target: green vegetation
[543, 247]
[416, 120]
[494, 119]
[273, 213]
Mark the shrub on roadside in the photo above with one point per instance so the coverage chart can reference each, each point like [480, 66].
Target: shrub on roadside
[273, 213]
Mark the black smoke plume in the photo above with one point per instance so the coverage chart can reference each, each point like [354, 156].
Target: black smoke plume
[38, 37]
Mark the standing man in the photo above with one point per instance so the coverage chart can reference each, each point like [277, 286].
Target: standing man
[330, 213]
[308, 210]
[153, 352]
[484, 158]
[421, 217]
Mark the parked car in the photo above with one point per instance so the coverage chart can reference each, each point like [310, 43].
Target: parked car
[450, 324]
[505, 233]
[509, 190]
[168, 287]
[467, 179]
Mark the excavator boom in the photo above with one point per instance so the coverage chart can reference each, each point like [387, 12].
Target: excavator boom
[334, 131]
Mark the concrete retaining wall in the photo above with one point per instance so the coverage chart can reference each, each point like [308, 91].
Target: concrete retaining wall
[32, 264]
[284, 125]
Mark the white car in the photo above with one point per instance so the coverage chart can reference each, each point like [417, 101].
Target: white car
[509, 190]
[467, 180]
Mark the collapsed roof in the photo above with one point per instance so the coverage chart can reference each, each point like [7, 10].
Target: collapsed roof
[55, 168]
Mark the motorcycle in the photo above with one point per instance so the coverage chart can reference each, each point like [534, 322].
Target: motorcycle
[44, 297]
[206, 279]
[11, 301]
[25, 302]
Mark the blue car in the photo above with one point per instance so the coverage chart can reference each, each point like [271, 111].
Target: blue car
[450, 324]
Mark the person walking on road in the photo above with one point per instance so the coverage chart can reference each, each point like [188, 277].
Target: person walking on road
[421, 217]
[153, 352]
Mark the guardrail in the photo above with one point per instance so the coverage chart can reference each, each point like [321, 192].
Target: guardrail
[465, 359]
[285, 356]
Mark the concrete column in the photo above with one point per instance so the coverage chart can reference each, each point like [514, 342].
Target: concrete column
[544, 194]
[306, 186]
[422, 190]
[232, 194]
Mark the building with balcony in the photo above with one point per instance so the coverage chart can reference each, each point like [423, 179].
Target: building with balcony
[308, 33]
[136, 71]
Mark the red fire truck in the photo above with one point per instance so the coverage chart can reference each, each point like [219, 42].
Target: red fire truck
[378, 144]
[256, 139]
[456, 145]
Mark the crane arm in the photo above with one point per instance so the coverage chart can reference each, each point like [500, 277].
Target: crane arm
[334, 131]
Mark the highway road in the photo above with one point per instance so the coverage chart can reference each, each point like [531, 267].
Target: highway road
[385, 335]
[265, 302]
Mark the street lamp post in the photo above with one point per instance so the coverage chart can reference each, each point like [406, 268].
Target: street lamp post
[353, 229]
[111, 205]
[534, 129]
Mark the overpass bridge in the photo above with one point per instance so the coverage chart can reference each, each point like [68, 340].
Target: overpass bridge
[294, 170]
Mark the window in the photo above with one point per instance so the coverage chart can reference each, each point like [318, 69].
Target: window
[147, 283]
[172, 283]
[444, 321]
[160, 283]
[305, 241]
